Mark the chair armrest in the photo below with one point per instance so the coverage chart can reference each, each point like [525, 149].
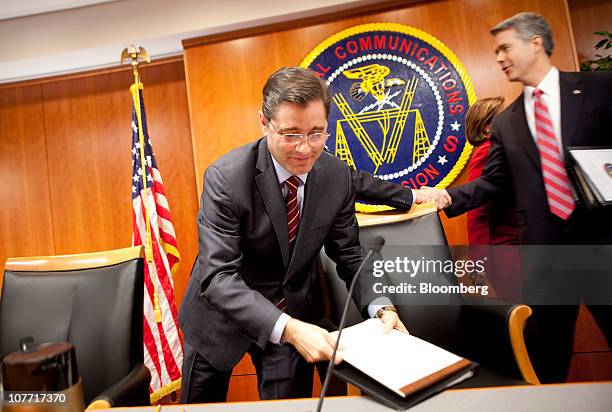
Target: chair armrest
[516, 325]
[132, 390]
[492, 334]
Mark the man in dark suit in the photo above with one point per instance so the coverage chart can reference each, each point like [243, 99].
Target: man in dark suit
[529, 155]
[267, 209]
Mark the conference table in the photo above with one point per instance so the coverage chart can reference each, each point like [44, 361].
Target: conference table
[581, 397]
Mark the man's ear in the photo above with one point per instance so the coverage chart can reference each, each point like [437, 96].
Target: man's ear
[537, 43]
[263, 122]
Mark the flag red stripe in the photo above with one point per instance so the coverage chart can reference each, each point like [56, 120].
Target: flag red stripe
[151, 348]
[165, 282]
[158, 187]
[164, 213]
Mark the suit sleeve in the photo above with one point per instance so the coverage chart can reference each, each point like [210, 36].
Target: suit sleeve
[372, 189]
[343, 247]
[495, 177]
[220, 258]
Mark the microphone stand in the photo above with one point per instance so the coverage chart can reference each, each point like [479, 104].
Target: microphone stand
[375, 249]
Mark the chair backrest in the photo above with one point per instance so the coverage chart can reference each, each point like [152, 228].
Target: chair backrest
[92, 300]
[417, 234]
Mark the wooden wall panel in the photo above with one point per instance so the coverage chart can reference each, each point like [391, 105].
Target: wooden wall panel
[88, 139]
[243, 388]
[89, 142]
[589, 16]
[25, 215]
[224, 82]
[224, 78]
[463, 25]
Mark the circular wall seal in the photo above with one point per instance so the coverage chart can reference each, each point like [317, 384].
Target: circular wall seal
[399, 98]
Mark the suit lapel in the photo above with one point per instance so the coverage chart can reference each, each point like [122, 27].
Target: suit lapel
[310, 204]
[522, 134]
[572, 96]
[269, 189]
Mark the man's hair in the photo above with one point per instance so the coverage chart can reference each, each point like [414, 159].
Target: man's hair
[293, 85]
[479, 117]
[528, 25]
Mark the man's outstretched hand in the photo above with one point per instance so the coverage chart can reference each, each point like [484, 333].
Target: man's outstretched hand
[441, 198]
[312, 342]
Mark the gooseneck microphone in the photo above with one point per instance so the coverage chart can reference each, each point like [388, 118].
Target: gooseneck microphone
[376, 244]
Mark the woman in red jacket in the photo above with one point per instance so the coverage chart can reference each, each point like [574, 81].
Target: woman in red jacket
[495, 222]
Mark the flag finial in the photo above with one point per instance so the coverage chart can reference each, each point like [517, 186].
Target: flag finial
[134, 55]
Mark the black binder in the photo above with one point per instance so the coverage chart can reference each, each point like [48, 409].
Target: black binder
[586, 193]
[376, 390]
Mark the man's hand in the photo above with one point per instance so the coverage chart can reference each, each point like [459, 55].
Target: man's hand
[312, 342]
[425, 194]
[443, 200]
[391, 320]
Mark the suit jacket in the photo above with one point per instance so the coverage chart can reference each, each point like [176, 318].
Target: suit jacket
[372, 189]
[514, 163]
[244, 262]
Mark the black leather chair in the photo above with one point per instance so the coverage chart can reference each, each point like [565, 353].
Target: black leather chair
[92, 300]
[484, 330]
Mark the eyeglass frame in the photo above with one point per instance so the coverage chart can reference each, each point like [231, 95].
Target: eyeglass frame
[302, 137]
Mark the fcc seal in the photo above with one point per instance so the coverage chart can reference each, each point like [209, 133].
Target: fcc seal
[399, 98]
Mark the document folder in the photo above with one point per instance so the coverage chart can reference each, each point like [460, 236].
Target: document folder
[398, 369]
[389, 398]
[591, 172]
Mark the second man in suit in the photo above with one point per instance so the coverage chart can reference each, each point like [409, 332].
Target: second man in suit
[529, 155]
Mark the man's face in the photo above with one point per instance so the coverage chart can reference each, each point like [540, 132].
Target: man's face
[296, 158]
[515, 56]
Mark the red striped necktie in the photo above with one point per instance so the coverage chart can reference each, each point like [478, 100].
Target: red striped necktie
[293, 211]
[557, 185]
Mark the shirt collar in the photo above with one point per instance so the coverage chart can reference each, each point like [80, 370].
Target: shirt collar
[283, 174]
[547, 84]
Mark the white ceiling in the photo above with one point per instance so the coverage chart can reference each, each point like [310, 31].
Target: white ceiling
[19, 8]
[52, 37]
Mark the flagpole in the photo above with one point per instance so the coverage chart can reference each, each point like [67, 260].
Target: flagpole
[135, 56]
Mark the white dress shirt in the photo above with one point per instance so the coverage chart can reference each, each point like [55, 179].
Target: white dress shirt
[551, 97]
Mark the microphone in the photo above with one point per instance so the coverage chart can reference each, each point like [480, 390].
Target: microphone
[376, 244]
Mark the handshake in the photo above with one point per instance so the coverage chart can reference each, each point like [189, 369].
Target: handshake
[440, 197]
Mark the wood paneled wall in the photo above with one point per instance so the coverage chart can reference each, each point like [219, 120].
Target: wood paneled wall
[65, 161]
[25, 216]
[225, 75]
[589, 16]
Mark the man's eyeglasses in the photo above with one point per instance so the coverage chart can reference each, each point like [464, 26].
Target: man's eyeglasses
[296, 138]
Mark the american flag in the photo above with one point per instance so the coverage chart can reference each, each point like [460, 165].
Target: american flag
[163, 353]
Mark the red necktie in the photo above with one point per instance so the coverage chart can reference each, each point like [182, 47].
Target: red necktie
[293, 211]
[557, 185]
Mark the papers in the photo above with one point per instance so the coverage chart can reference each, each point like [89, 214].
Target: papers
[401, 362]
[595, 169]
